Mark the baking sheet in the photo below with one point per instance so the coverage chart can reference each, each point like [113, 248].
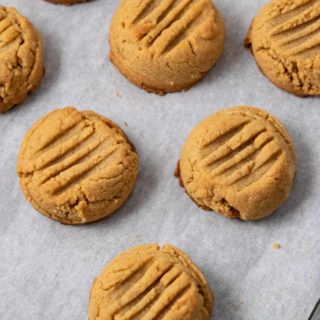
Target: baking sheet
[46, 269]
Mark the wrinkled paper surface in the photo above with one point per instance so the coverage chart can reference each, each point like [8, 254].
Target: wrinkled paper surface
[46, 269]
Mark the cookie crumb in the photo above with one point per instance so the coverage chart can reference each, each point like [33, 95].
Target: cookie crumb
[126, 124]
[276, 246]
[118, 94]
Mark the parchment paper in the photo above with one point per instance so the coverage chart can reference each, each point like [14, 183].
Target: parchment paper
[46, 269]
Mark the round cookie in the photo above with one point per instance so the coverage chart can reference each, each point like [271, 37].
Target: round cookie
[21, 58]
[67, 2]
[166, 45]
[239, 162]
[76, 167]
[285, 40]
[150, 282]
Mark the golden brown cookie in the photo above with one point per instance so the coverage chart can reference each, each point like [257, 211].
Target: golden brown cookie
[239, 162]
[76, 167]
[166, 45]
[21, 58]
[67, 2]
[149, 282]
[285, 41]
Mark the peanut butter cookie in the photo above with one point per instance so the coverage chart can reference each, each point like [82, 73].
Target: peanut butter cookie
[285, 41]
[148, 282]
[239, 162]
[21, 58]
[76, 167]
[166, 45]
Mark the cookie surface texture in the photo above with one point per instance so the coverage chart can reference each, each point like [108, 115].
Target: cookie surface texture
[285, 41]
[148, 282]
[76, 167]
[21, 58]
[239, 162]
[166, 45]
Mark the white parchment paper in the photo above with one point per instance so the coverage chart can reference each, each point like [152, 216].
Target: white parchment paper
[46, 269]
